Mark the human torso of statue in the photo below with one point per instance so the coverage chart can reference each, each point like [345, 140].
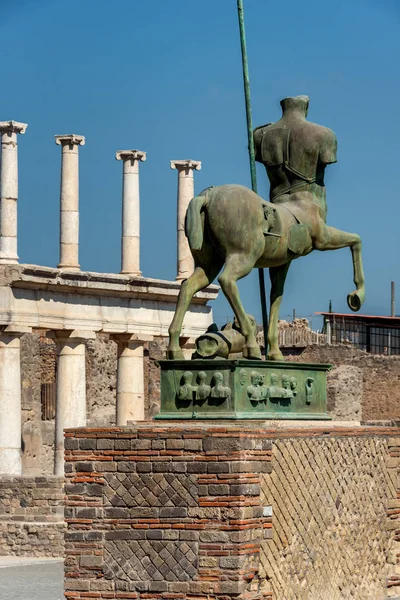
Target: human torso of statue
[295, 153]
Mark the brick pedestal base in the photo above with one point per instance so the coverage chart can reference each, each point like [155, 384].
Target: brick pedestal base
[236, 511]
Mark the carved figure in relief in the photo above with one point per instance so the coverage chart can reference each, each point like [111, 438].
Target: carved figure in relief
[257, 391]
[218, 390]
[254, 390]
[287, 391]
[309, 389]
[293, 385]
[274, 390]
[186, 389]
[287, 388]
[242, 376]
[264, 389]
[203, 390]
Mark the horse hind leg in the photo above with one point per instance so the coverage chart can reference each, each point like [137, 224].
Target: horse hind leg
[200, 278]
[334, 239]
[278, 278]
[236, 267]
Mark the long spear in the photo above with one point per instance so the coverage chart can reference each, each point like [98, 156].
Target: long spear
[246, 84]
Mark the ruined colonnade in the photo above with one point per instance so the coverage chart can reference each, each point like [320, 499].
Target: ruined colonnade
[71, 378]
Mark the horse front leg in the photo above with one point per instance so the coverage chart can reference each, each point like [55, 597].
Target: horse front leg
[200, 279]
[355, 299]
[334, 239]
[278, 278]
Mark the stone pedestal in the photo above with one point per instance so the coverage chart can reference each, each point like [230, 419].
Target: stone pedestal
[242, 389]
[243, 511]
[71, 387]
[10, 401]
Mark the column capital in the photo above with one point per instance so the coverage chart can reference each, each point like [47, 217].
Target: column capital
[125, 338]
[70, 139]
[131, 155]
[186, 164]
[14, 330]
[13, 126]
[71, 335]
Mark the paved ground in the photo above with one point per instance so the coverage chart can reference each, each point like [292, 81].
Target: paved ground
[31, 579]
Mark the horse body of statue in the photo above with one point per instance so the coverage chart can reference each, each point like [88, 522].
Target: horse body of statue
[232, 227]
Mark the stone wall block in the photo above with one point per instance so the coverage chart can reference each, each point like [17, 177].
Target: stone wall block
[31, 516]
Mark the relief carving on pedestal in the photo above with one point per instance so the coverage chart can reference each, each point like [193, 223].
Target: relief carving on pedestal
[309, 389]
[257, 391]
[202, 391]
[186, 390]
[219, 390]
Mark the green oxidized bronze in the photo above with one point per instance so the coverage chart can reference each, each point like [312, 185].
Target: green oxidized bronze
[230, 227]
[242, 389]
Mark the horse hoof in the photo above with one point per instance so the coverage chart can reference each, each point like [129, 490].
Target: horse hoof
[275, 356]
[175, 355]
[252, 353]
[355, 300]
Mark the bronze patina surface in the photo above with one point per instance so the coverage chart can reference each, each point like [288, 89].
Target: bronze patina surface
[242, 389]
[230, 228]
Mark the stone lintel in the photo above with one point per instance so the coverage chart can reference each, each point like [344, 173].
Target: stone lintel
[13, 126]
[131, 155]
[100, 284]
[186, 164]
[70, 139]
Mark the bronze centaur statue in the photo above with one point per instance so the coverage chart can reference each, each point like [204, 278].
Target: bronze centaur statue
[230, 227]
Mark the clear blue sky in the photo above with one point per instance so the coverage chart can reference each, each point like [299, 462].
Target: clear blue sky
[165, 77]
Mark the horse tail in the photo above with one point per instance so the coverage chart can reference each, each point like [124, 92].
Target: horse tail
[194, 222]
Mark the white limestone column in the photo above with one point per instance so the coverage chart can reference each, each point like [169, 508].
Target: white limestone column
[9, 190]
[130, 242]
[328, 331]
[69, 200]
[71, 387]
[10, 401]
[185, 170]
[130, 377]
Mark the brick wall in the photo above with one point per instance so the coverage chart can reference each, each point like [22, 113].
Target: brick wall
[31, 516]
[217, 512]
[154, 512]
[334, 502]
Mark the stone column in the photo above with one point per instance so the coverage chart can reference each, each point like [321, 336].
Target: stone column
[10, 400]
[328, 330]
[130, 377]
[69, 200]
[71, 387]
[9, 190]
[130, 243]
[185, 170]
